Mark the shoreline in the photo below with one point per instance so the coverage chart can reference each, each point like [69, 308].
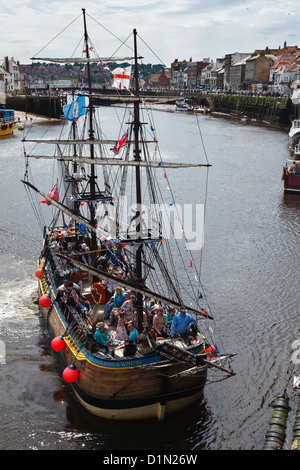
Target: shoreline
[21, 117]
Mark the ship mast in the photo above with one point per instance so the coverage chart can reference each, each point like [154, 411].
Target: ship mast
[92, 153]
[137, 158]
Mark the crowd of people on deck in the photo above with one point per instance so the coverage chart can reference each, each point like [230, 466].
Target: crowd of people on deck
[108, 256]
[120, 311]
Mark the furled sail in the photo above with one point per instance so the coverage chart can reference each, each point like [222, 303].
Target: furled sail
[111, 161]
[81, 60]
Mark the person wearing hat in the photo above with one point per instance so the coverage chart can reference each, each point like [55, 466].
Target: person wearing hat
[98, 332]
[100, 335]
[103, 336]
[152, 312]
[182, 322]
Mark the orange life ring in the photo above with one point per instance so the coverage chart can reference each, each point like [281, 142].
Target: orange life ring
[210, 350]
[60, 234]
[71, 231]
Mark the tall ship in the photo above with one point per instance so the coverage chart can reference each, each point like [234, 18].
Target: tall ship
[128, 318]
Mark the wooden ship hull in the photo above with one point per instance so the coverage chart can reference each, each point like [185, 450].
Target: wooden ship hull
[118, 387]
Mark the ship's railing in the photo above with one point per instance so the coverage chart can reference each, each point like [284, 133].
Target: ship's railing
[79, 329]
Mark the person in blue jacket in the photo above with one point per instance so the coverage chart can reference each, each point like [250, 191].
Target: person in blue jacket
[133, 332]
[119, 299]
[182, 322]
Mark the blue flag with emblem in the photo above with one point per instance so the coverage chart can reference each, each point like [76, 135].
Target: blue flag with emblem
[75, 110]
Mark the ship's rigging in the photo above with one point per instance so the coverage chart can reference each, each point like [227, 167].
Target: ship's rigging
[130, 173]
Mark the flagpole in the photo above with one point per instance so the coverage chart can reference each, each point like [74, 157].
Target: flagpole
[137, 157]
[91, 136]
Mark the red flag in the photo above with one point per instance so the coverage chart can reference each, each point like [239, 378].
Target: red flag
[53, 194]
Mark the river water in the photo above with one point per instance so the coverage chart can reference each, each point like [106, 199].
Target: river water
[250, 269]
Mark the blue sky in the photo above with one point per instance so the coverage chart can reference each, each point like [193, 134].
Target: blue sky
[171, 28]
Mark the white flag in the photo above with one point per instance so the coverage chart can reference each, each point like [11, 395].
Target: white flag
[121, 78]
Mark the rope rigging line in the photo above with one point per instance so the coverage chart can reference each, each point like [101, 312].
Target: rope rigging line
[152, 51]
[163, 247]
[166, 243]
[116, 37]
[55, 37]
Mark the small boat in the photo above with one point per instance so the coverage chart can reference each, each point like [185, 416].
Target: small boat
[294, 134]
[183, 105]
[291, 172]
[7, 121]
[96, 252]
[201, 109]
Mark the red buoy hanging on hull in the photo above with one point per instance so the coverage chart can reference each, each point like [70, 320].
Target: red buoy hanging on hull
[45, 301]
[58, 343]
[39, 273]
[70, 374]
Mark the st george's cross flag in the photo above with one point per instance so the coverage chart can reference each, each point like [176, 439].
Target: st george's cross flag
[121, 78]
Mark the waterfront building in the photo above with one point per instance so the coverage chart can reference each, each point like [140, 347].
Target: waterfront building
[217, 74]
[257, 70]
[280, 70]
[159, 80]
[2, 90]
[236, 74]
[177, 74]
[206, 75]
[12, 76]
[192, 73]
[229, 61]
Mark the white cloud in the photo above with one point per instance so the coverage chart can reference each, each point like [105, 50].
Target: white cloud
[173, 29]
